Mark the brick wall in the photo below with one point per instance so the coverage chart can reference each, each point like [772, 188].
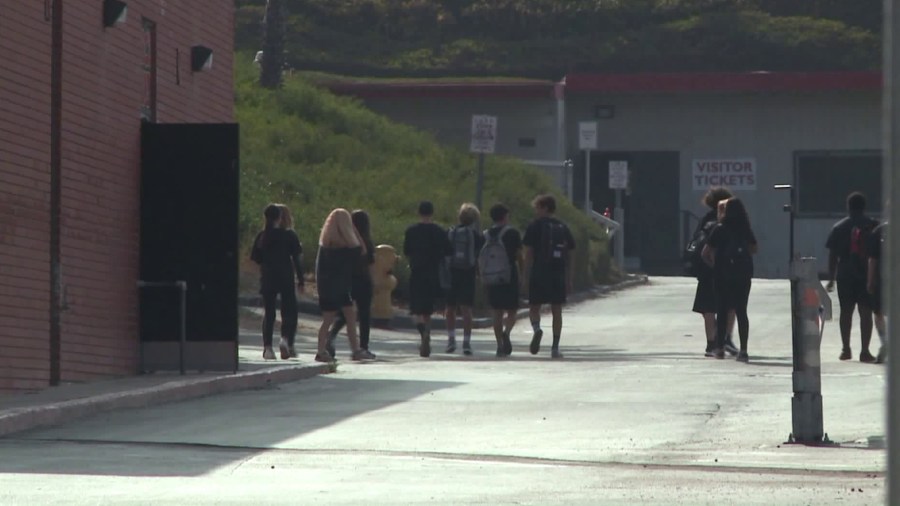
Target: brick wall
[103, 90]
[24, 195]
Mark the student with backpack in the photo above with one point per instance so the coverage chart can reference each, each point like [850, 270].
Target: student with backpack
[729, 252]
[875, 288]
[705, 297]
[848, 264]
[499, 265]
[466, 243]
[425, 244]
[548, 246]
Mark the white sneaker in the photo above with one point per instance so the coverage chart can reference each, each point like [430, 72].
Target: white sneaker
[285, 349]
[268, 354]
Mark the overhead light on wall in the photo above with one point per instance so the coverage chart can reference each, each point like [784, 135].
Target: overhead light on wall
[115, 13]
[201, 58]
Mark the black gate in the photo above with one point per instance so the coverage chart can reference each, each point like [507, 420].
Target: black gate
[189, 233]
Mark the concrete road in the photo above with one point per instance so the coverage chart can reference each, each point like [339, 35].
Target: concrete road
[633, 415]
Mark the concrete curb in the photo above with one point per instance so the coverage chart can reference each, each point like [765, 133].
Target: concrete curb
[405, 322]
[56, 413]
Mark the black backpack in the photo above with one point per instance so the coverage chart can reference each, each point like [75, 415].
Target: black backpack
[555, 242]
[692, 259]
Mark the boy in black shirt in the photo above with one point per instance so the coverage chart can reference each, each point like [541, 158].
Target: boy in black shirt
[503, 296]
[425, 245]
[548, 246]
[847, 262]
[874, 287]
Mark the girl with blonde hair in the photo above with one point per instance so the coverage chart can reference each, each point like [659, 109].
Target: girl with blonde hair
[340, 249]
[467, 243]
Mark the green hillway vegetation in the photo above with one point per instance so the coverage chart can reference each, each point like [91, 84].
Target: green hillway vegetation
[315, 151]
[549, 38]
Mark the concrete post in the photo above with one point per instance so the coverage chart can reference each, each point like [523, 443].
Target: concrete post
[810, 306]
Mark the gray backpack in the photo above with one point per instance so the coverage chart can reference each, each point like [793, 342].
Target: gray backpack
[493, 261]
[463, 241]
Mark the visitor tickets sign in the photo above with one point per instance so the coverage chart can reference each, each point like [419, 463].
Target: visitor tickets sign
[735, 173]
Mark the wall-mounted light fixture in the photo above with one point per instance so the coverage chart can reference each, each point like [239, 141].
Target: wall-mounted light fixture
[201, 58]
[115, 13]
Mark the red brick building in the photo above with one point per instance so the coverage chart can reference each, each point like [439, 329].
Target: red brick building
[76, 82]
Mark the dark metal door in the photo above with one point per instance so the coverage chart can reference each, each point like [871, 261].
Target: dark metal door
[189, 232]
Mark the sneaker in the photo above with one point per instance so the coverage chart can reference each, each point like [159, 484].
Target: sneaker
[323, 357]
[710, 350]
[536, 342]
[451, 345]
[283, 348]
[882, 355]
[501, 353]
[555, 353]
[268, 354]
[743, 357]
[730, 348]
[425, 347]
[467, 349]
[370, 353]
[866, 357]
[846, 354]
[507, 344]
[719, 353]
[293, 351]
[362, 354]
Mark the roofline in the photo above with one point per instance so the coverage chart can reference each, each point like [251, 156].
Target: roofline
[713, 82]
[585, 83]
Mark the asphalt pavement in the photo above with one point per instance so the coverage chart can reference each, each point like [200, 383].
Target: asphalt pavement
[634, 414]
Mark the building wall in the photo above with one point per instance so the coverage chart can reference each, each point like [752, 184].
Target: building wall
[103, 91]
[767, 127]
[24, 190]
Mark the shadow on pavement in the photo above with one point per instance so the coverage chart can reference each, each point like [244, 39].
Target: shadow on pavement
[196, 437]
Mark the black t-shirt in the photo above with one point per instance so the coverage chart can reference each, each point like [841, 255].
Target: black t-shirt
[425, 245]
[839, 242]
[334, 269]
[512, 241]
[548, 251]
[733, 247]
[277, 251]
[361, 270]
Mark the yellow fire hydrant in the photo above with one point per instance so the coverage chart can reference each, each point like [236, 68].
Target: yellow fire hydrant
[383, 284]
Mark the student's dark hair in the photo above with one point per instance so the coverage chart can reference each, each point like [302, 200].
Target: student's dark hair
[426, 208]
[736, 216]
[361, 222]
[272, 213]
[856, 202]
[715, 195]
[545, 202]
[499, 212]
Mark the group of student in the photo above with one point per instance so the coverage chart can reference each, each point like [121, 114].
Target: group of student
[445, 265]
[720, 256]
[854, 261]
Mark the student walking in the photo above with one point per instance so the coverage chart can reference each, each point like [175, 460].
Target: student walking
[499, 264]
[466, 242]
[729, 252]
[361, 289]
[548, 246]
[848, 264]
[340, 249]
[705, 297]
[875, 288]
[277, 251]
[425, 245]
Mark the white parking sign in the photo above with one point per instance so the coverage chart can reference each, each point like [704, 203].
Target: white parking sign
[484, 134]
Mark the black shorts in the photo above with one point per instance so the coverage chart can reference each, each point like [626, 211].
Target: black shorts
[852, 292]
[547, 287]
[334, 300]
[504, 297]
[462, 288]
[423, 292]
[705, 298]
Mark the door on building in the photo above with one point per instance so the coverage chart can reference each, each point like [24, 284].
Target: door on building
[189, 232]
[651, 204]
